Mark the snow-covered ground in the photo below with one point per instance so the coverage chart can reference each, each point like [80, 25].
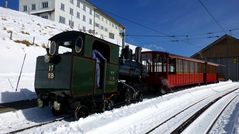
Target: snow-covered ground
[135, 118]
[33, 31]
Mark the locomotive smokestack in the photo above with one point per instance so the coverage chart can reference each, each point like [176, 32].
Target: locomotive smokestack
[138, 54]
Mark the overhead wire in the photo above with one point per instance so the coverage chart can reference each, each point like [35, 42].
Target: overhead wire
[136, 23]
[210, 14]
[175, 38]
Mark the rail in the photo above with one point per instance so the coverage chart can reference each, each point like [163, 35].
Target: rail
[186, 123]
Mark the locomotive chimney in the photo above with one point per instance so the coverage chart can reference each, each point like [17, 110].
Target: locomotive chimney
[138, 54]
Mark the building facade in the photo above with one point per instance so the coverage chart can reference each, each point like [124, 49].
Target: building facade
[78, 14]
[224, 51]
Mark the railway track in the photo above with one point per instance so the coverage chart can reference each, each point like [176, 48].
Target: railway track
[192, 117]
[18, 105]
[68, 118]
[221, 112]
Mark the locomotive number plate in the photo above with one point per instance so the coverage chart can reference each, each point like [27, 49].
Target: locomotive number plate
[51, 72]
[50, 75]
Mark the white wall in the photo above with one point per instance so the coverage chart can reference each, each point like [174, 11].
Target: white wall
[38, 3]
[103, 21]
[78, 22]
[111, 26]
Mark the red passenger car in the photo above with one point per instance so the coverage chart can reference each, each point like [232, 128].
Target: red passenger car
[169, 71]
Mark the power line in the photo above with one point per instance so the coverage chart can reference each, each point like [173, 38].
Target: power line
[209, 34]
[209, 13]
[134, 22]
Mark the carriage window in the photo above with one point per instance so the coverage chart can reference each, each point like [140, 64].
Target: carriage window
[146, 60]
[185, 67]
[172, 65]
[158, 64]
[179, 66]
[196, 67]
[191, 67]
[164, 61]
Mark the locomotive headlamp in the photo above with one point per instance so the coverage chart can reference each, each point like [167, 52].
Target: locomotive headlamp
[78, 44]
[56, 105]
[47, 58]
[53, 48]
[39, 102]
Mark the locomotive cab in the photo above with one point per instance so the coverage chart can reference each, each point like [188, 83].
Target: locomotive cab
[72, 75]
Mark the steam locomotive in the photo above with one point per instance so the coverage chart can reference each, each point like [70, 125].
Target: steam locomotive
[91, 76]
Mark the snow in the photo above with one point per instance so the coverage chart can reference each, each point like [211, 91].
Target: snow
[200, 125]
[140, 117]
[228, 122]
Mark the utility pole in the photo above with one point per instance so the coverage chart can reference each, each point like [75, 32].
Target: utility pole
[6, 4]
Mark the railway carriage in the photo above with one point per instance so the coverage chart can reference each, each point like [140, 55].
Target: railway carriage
[167, 71]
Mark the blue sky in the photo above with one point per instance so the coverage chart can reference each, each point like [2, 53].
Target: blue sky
[180, 27]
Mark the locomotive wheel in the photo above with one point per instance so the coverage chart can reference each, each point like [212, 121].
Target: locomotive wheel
[162, 91]
[107, 105]
[81, 111]
[127, 98]
[56, 113]
[140, 97]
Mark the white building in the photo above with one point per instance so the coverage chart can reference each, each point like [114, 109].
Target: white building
[78, 14]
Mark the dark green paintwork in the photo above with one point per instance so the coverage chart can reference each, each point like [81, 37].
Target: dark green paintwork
[83, 76]
[76, 72]
[62, 71]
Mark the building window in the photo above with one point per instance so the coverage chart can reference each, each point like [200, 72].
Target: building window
[72, 1]
[102, 28]
[90, 21]
[97, 16]
[24, 8]
[71, 11]
[78, 3]
[106, 30]
[78, 15]
[111, 35]
[62, 20]
[62, 7]
[84, 18]
[71, 23]
[33, 6]
[90, 12]
[44, 4]
[84, 7]
[97, 25]
[45, 16]
[84, 29]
